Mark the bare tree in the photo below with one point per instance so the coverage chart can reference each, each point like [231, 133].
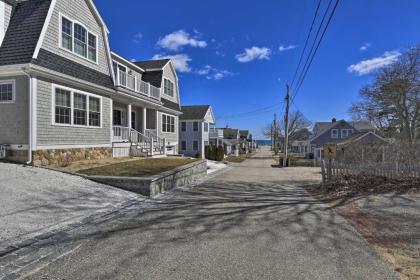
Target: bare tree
[392, 101]
[298, 126]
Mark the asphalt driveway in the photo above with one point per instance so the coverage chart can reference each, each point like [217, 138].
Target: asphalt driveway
[251, 222]
[34, 201]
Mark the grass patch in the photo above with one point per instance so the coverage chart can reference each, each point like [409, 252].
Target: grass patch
[138, 168]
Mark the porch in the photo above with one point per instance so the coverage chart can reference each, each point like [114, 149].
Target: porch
[135, 131]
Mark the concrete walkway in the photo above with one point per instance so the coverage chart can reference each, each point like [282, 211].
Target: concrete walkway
[251, 222]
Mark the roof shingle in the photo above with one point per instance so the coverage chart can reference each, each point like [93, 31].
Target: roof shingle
[23, 32]
[197, 112]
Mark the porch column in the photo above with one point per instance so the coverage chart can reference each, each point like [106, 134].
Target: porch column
[143, 128]
[157, 123]
[129, 115]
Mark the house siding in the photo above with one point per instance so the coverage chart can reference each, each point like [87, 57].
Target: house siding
[170, 137]
[14, 116]
[326, 135]
[49, 134]
[77, 10]
[190, 136]
[169, 74]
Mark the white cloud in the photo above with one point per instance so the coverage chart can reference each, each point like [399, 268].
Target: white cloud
[178, 39]
[180, 61]
[137, 38]
[214, 73]
[253, 53]
[367, 66]
[286, 48]
[365, 46]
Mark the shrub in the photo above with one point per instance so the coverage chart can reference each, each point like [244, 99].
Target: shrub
[207, 152]
[197, 155]
[220, 155]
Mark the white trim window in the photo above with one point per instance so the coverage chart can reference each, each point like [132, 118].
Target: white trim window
[334, 133]
[346, 132]
[195, 126]
[76, 108]
[183, 145]
[168, 87]
[7, 91]
[168, 123]
[76, 38]
[206, 127]
[183, 126]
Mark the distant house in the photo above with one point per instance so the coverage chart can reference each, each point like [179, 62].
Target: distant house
[194, 128]
[227, 137]
[331, 132]
[247, 143]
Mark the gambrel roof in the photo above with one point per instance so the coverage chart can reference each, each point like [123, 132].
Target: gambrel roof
[23, 33]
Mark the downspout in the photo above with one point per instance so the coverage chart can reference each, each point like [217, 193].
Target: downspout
[30, 128]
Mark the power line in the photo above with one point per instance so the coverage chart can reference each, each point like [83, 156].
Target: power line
[259, 110]
[306, 42]
[311, 58]
[251, 115]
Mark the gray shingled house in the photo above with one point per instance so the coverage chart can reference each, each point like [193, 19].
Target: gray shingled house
[65, 96]
[194, 127]
[333, 132]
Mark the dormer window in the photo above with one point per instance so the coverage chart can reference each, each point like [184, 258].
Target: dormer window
[77, 39]
[168, 87]
[334, 133]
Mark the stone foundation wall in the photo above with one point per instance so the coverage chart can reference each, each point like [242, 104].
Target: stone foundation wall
[153, 185]
[63, 157]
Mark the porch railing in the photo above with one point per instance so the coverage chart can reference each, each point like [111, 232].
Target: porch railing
[121, 133]
[149, 142]
[131, 82]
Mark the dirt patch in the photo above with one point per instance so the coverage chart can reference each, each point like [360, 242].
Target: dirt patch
[376, 229]
[386, 231]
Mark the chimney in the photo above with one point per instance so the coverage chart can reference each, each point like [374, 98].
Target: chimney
[334, 120]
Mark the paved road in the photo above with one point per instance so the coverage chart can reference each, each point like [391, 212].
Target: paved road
[251, 222]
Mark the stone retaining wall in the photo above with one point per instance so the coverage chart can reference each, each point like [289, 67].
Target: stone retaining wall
[153, 185]
[63, 157]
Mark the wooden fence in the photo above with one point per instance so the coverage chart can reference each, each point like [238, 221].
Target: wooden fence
[394, 170]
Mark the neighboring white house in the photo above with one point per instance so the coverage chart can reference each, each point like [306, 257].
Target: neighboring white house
[194, 128]
[65, 96]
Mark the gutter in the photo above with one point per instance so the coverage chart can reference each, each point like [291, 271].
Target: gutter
[30, 115]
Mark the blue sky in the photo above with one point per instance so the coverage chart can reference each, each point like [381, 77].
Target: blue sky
[238, 55]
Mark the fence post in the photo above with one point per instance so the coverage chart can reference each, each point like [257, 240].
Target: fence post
[323, 172]
[151, 146]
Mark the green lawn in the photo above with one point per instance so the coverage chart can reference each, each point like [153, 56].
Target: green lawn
[138, 168]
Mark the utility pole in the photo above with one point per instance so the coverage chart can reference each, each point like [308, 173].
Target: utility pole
[275, 134]
[272, 138]
[286, 126]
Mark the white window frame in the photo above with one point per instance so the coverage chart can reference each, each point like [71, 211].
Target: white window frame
[170, 116]
[334, 136]
[72, 91]
[348, 131]
[13, 83]
[173, 87]
[61, 16]
[206, 127]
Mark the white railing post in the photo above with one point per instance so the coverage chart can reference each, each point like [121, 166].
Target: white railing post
[149, 90]
[118, 76]
[135, 83]
[151, 146]
[164, 146]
